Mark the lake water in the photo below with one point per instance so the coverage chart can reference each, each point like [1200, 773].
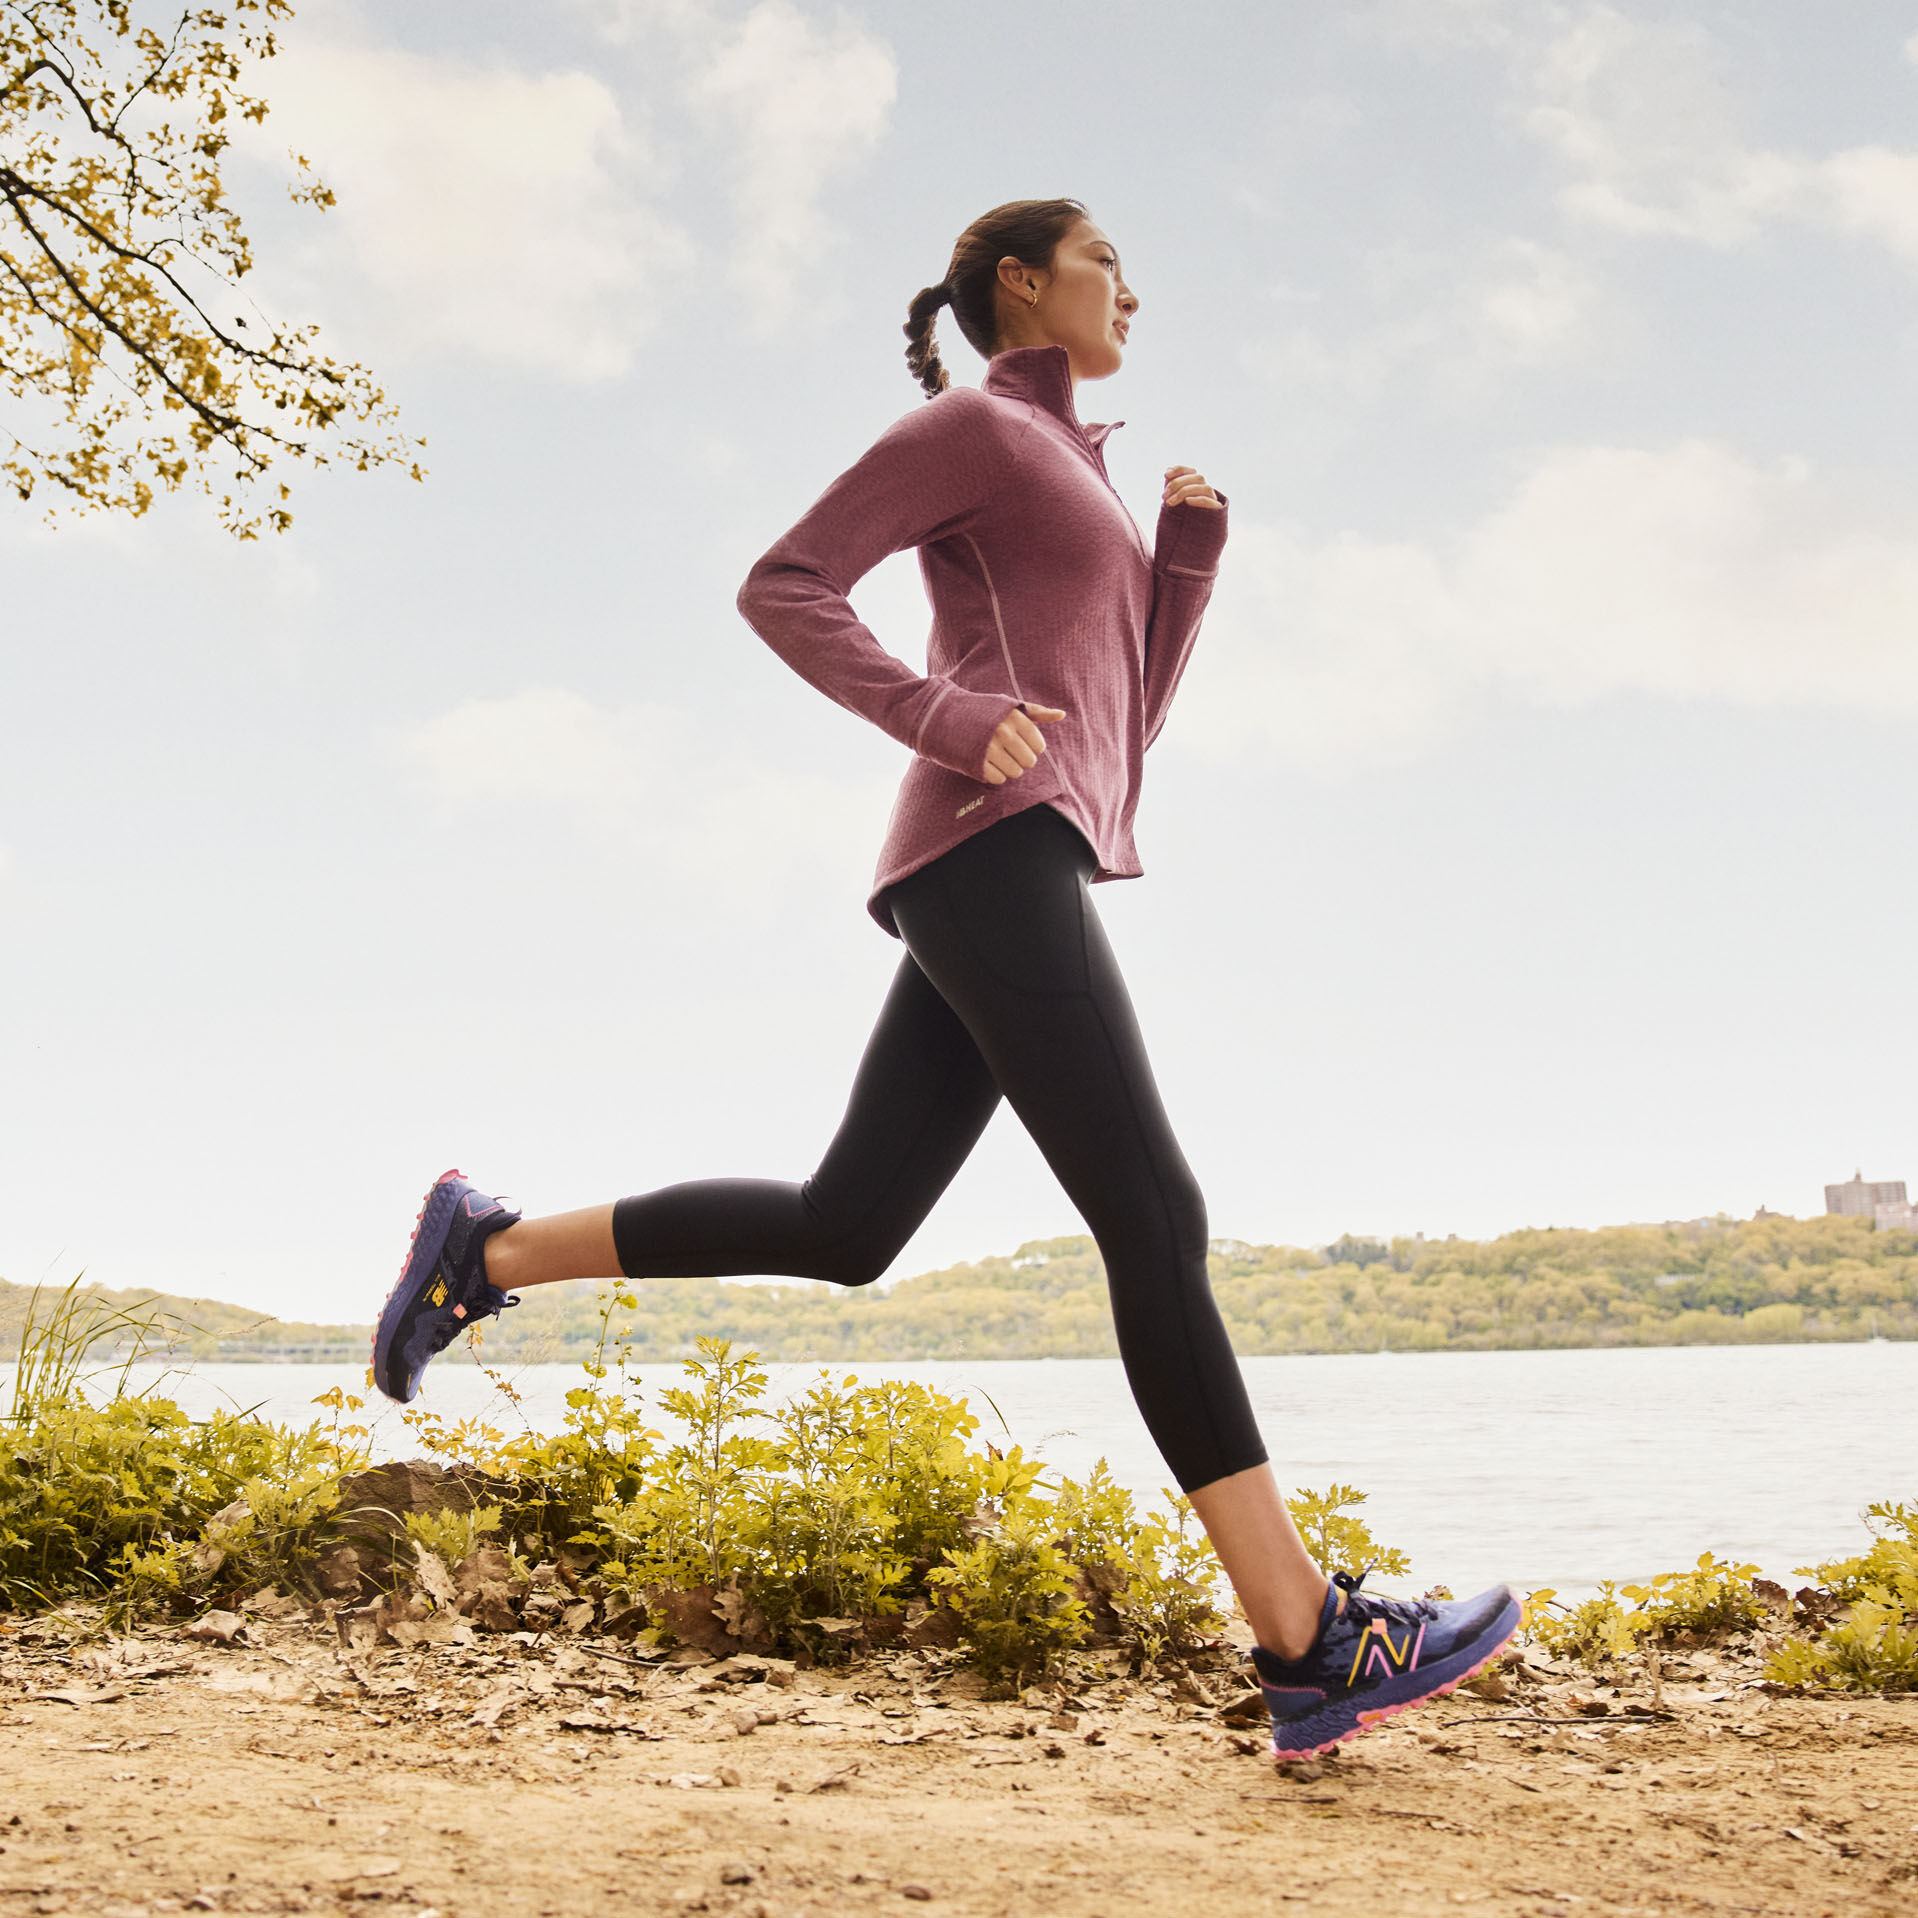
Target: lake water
[1544, 1468]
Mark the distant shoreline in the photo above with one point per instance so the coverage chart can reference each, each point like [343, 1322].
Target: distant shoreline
[1766, 1281]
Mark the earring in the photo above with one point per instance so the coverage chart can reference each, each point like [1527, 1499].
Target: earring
[1032, 296]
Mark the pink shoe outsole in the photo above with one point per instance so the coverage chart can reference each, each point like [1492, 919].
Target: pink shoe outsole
[406, 1264]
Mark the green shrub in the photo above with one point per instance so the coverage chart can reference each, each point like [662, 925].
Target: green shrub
[1339, 1543]
[1593, 1632]
[111, 1493]
[1874, 1646]
[453, 1535]
[1711, 1600]
[852, 1502]
[1891, 1561]
[1157, 1577]
[1013, 1591]
[97, 1497]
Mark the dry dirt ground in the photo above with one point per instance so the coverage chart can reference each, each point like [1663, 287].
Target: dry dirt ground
[529, 1776]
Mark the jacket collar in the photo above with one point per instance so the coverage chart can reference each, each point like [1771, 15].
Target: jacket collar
[1041, 376]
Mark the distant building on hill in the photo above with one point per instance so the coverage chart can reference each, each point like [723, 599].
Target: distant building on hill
[1882, 1201]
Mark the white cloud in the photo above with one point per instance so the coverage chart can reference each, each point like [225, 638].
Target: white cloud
[1693, 573]
[484, 208]
[1873, 192]
[535, 217]
[1643, 115]
[1683, 573]
[796, 103]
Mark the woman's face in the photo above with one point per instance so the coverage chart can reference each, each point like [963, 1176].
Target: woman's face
[1084, 304]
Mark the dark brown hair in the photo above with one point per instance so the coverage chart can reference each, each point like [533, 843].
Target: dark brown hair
[1026, 230]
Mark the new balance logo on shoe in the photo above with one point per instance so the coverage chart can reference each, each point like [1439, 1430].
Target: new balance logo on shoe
[1377, 1653]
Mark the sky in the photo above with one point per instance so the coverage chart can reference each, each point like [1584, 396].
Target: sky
[1532, 840]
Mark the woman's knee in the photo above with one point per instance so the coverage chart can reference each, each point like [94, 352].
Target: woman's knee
[853, 1267]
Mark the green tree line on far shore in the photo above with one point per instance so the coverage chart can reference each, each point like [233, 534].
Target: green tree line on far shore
[1769, 1280]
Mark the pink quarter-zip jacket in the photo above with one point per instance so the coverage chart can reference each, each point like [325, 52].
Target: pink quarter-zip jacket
[1042, 591]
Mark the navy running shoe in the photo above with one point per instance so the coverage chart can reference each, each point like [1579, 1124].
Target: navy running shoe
[442, 1288]
[1376, 1657]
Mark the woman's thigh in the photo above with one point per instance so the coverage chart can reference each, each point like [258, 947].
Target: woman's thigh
[1011, 940]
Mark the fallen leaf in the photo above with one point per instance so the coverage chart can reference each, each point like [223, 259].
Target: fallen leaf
[216, 1628]
[434, 1577]
[489, 1711]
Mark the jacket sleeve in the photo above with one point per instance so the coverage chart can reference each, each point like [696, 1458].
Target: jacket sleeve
[1185, 562]
[925, 477]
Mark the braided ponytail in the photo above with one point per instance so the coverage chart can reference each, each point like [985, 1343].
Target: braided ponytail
[1025, 230]
[922, 350]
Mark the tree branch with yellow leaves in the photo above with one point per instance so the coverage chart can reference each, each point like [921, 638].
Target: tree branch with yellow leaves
[118, 244]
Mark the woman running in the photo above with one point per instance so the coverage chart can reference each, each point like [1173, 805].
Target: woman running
[1057, 643]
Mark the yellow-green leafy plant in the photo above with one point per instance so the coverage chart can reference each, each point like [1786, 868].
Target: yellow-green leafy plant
[1710, 1600]
[351, 1441]
[107, 1492]
[852, 1501]
[1597, 1630]
[1013, 1591]
[456, 1533]
[1892, 1558]
[1337, 1541]
[834, 1519]
[605, 1454]
[1873, 1646]
[262, 1537]
[1156, 1575]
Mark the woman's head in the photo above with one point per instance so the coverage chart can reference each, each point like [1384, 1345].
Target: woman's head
[1029, 273]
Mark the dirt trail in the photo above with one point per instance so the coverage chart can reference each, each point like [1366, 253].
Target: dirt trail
[507, 1777]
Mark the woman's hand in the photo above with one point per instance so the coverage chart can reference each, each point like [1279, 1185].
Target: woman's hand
[1017, 743]
[1186, 486]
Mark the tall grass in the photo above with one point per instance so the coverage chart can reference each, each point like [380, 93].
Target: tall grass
[63, 1329]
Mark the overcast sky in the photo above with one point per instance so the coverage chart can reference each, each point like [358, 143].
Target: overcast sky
[1532, 842]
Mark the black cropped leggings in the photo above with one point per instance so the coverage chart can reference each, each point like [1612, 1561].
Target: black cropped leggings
[1008, 988]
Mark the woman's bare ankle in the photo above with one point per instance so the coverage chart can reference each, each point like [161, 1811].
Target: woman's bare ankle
[499, 1261]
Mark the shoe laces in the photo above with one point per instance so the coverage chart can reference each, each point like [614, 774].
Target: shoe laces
[1363, 1607]
[489, 1304]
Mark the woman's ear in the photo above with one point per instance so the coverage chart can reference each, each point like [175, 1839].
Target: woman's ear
[1018, 279]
